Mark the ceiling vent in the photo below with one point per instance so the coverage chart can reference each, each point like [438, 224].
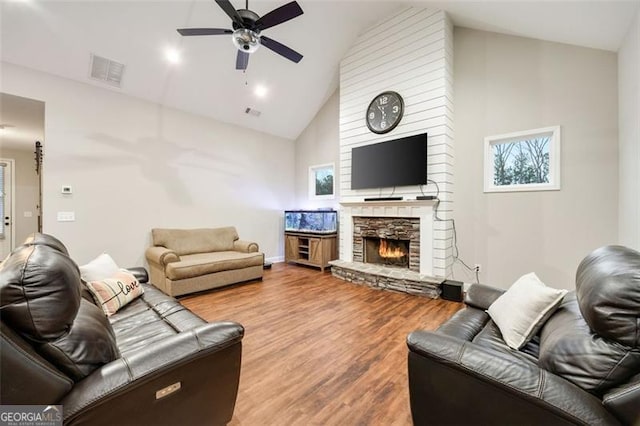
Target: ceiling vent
[253, 112]
[106, 70]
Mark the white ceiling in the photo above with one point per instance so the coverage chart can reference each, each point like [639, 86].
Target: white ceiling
[58, 37]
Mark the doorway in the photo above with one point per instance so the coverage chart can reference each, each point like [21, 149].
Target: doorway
[21, 126]
[7, 189]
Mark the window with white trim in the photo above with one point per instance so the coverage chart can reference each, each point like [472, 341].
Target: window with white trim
[523, 161]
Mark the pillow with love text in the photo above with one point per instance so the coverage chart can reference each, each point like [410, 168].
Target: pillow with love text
[115, 292]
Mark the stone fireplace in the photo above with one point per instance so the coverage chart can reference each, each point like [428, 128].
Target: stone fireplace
[390, 241]
[388, 245]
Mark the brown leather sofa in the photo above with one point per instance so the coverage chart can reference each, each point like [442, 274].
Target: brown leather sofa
[152, 362]
[583, 367]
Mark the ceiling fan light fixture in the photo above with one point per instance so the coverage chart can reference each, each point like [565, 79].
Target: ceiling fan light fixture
[246, 40]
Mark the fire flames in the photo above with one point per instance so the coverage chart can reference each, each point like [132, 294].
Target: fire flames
[387, 251]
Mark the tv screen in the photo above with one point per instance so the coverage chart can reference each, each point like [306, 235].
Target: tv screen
[400, 162]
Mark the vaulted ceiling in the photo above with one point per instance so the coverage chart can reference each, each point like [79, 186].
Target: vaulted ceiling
[58, 37]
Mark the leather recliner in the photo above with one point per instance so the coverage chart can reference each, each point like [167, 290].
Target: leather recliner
[152, 362]
[583, 367]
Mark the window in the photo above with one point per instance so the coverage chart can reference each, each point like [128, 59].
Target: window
[523, 161]
[321, 182]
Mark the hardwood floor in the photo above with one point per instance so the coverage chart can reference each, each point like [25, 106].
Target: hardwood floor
[318, 350]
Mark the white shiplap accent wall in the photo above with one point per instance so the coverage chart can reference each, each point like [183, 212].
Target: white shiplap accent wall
[411, 53]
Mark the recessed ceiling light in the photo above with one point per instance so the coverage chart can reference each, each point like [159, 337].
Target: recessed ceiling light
[172, 55]
[260, 91]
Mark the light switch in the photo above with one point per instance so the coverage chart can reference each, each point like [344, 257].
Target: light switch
[66, 216]
[66, 189]
[28, 214]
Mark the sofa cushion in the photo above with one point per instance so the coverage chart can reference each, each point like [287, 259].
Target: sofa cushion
[569, 348]
[521, 310]
[149, 319]
[491, 337]
[38, 238]
[41, 298]
[189, 241]
[608, 292]
[89, 344]
[115, 292]
[40, 292]
[196, 265]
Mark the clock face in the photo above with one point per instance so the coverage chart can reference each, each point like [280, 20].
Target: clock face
[385, 112]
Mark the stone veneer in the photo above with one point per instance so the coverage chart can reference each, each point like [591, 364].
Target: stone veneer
[385, 278]
[394, 228]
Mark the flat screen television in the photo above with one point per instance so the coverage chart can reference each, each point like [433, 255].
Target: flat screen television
[311, 221]
[399, 162]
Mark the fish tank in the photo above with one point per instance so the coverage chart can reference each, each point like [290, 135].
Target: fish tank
[311, 221]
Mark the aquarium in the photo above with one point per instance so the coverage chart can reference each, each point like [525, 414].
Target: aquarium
[311, 221]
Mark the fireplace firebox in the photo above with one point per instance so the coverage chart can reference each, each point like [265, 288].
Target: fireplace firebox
[386, 251]
[402, 231]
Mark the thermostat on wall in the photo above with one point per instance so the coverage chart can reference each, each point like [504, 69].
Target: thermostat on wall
[66, 189]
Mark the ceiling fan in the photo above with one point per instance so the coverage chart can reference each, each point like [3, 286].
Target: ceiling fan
[247, 26]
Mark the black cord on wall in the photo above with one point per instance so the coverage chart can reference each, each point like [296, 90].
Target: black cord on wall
[456, 255]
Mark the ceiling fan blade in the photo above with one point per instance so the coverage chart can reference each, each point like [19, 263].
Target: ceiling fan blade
[279, 15]
[280, 49]
[242, 60]
[203, 31]
[231, 11]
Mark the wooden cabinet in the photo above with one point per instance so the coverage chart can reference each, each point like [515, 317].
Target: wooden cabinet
[310, 249]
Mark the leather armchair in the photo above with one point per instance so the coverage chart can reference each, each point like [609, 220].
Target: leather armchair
[464, 373]
[153, 362]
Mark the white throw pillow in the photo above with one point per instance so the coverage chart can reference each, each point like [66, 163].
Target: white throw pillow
[100, 268]
[523, 309]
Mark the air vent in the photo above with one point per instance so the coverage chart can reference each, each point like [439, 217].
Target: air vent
[253, 112]
[106, 70]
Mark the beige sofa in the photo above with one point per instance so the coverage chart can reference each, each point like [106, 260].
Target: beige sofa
[184, 261]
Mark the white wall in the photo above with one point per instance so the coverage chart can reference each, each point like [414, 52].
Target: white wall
[629, 128]
[318, 144]
[504, 84]
[135, 165]
[26, 191]
[411, 53]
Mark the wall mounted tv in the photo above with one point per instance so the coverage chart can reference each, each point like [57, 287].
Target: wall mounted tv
[399, 162]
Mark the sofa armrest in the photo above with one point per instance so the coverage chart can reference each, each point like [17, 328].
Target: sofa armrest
[140, 273]
[624, 401]
[453, 381]
[161, 255]
[482, 296]
[245, 246]
[189, 378]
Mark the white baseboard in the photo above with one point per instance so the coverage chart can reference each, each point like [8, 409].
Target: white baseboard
[277, 259]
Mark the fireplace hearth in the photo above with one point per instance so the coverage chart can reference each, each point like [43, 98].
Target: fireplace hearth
[386, 251]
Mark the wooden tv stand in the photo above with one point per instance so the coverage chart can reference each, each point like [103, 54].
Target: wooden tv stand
[310, 249]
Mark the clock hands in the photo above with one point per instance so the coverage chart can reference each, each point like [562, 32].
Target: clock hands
[390, 106]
